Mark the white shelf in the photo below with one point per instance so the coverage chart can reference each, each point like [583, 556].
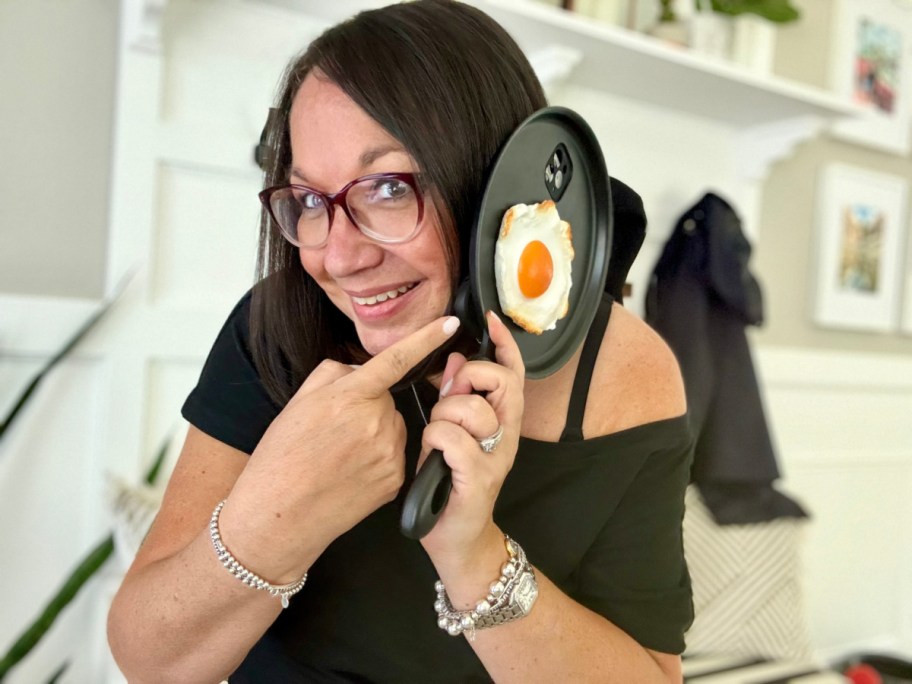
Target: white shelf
[631, 65]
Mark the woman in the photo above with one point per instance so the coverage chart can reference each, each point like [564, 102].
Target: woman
[585, 469]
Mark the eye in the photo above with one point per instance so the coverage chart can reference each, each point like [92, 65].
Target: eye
[310, 202]
[535, 269]
[385, 189]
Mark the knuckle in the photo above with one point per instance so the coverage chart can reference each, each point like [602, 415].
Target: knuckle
[399, 360]
[327, 367]
[391, 487]
[399, 427]
[435, 434]
[479, 405]
[399, 476]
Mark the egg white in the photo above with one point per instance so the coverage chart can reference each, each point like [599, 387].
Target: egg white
[522, 224]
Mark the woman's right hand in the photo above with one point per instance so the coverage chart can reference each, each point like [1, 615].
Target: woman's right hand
[333, 455]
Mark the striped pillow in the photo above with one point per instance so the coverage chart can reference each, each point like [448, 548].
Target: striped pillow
[747, 589]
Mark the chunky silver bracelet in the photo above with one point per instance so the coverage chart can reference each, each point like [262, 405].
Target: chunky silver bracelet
[510, 597]
[251, 579]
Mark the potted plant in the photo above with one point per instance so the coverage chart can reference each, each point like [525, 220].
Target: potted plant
[669, 26]
[666, 11]
[743, 31]
[776, 11]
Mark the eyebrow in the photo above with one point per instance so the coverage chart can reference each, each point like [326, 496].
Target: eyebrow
[372, 155]
[367, 158]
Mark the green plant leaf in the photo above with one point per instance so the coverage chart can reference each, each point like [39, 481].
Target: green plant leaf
[59, 673]
[31, 636]
[666, 12]
[777, 11]
[70, 344]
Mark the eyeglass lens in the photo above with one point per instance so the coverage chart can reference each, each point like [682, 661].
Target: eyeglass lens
[385, 209]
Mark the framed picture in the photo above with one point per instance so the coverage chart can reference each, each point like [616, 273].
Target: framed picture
[859, 257]
[871, 64]
[906, 280]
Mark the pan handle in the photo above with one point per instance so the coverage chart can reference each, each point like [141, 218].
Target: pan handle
[427, 497]
[430, 490]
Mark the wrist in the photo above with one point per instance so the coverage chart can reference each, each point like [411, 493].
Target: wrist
[510, 597]
[243, 573]
[468, 573]
[263, 545]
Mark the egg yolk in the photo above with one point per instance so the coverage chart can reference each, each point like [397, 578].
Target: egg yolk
[535, 269]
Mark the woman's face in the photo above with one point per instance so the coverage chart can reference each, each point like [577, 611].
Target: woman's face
[334, 141]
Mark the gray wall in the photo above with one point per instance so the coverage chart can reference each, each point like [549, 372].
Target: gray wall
[783, 254]
[57, 75]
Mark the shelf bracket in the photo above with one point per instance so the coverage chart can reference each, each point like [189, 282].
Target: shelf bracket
[756, 148]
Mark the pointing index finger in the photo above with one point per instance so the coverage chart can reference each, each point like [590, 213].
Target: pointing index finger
[392, 364]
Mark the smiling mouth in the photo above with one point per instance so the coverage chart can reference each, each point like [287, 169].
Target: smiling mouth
[382, 296]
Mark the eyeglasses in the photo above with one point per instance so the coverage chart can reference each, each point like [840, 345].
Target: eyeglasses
[386, 207]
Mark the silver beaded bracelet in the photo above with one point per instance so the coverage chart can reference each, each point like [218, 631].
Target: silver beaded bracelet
[510, 597]
[251, 579]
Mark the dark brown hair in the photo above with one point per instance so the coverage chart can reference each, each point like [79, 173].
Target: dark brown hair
[448, 83]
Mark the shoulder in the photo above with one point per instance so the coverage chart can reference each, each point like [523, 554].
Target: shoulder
[636, 379]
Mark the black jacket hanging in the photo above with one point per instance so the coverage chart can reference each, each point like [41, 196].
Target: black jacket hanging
[701, 297]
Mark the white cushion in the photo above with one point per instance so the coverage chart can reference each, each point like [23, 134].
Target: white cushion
[748, 596]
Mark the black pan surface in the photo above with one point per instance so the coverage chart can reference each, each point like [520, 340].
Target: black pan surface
[552, 140]
[525, 172]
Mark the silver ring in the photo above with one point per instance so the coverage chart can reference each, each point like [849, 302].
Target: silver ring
[490, 443]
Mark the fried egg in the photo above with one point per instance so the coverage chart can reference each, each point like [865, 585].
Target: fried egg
[532, 266]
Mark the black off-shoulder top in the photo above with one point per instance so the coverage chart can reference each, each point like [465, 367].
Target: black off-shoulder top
[600, 517]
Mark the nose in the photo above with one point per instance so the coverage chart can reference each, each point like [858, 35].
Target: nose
[347, 249]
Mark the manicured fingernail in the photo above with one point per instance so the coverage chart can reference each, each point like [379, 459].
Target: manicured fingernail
[445, 390]
[494, 315]
[354, 366]
[450, 325]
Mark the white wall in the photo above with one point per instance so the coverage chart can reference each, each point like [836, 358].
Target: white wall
[56, 108]
[839, 401]
[840, 422]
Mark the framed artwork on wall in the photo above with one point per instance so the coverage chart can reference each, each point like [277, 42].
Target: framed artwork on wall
[871, 66]
[905, 319]
[859, 257]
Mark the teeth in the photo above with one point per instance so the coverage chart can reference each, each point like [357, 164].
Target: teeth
[382, 297]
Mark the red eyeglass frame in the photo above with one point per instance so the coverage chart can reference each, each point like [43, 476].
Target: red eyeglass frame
[330, 200]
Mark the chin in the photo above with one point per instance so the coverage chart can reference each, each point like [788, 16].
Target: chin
[374, 342]
[375, 339]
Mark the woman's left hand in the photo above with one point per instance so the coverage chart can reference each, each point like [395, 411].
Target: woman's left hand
[459, 421]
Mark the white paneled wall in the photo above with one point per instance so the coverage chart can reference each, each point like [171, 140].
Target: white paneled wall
[200, 258]
[192, 101]
[168, 382]
[842, 428]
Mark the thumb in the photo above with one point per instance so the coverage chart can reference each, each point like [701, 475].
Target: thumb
[389, 366]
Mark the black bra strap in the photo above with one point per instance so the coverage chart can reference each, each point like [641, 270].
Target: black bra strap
[573, 429]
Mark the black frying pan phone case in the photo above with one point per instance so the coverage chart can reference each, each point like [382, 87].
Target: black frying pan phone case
[552, 155]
